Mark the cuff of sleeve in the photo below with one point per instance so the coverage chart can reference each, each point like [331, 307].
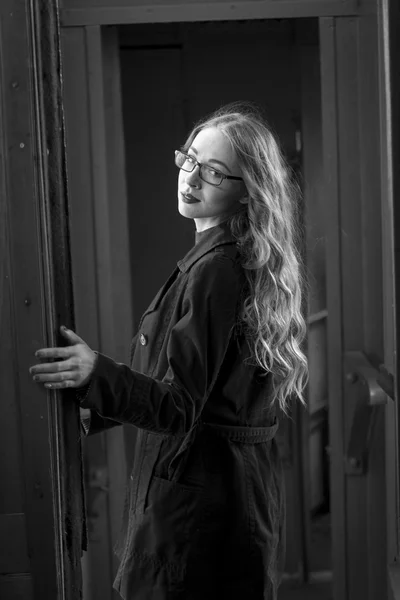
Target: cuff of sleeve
[82, 393]
[86, 417]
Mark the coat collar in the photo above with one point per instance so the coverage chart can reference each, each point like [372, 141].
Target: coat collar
[206, 241]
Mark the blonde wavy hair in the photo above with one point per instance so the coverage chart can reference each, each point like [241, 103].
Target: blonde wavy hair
[267, 232]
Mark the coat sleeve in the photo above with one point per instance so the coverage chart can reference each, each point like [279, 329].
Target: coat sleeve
[195, 351]
[91, 421]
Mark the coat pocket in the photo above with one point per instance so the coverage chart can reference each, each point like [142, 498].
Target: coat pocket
[143, 470]
[169, 521]
[156, 557]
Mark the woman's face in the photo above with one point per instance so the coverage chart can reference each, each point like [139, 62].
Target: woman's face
[206, 204]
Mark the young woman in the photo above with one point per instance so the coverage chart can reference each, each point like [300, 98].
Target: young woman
[217, 355]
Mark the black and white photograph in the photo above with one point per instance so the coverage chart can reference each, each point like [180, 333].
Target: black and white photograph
[199, 302]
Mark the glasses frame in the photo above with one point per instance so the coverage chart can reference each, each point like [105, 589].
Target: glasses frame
[200, 165]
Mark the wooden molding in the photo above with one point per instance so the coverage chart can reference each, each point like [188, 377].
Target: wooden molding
[97, 12]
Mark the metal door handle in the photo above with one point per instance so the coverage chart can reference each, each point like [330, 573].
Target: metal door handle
[386, 381]
[360, 370]
[363, 377]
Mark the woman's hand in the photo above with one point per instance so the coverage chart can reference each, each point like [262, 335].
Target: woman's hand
[72, 366]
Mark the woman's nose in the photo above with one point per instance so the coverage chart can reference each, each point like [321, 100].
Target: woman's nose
[193, 178]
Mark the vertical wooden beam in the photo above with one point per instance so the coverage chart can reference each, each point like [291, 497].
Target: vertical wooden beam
[351, 266]
[334, 302]
[51, 179]
[372, 295]
[354, 252]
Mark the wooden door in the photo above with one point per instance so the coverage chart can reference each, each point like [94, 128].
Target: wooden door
[41, 513]
[360, 304]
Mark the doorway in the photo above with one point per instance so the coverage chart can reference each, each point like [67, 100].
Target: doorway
[317, 81]
[171, 76]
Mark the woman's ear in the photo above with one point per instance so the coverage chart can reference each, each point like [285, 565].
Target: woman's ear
[245, 198]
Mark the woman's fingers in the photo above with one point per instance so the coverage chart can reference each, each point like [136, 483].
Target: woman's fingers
[65, 351]
[62, 376]
[54, 367]
[59, 385]
[71, 336]
[55, 352]
[69, 366]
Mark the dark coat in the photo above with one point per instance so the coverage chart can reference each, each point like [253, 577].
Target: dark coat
[205, 510]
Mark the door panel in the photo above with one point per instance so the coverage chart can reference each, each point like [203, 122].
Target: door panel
[41, 501]
[351, 133]
[333, 290]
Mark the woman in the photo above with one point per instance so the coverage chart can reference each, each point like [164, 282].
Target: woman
[217, 354]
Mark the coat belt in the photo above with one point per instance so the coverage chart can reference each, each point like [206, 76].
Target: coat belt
[244, 435]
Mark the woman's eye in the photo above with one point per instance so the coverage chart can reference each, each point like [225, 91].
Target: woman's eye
[213, 172]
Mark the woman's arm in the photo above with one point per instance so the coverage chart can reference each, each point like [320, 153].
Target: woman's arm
[91, 421]
[195, 351]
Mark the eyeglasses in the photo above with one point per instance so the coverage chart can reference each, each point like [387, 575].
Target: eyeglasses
[188, 163]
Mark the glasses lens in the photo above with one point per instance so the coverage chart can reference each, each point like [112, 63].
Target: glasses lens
[188, 163]
[210, 175]
[184, 161]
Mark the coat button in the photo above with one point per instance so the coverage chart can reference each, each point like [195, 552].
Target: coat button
[143, 339]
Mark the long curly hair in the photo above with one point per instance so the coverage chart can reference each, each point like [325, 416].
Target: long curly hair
[267, 232]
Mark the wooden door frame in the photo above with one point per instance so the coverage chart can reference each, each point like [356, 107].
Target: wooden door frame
[92, 14]
[34, 198]
[389, 121]
[337, 385]
[56, 292]
[83, 52]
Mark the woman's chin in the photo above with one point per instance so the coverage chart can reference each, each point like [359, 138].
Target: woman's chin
[187, 210]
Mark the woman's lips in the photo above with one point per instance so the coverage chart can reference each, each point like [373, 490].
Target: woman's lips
[189, 199]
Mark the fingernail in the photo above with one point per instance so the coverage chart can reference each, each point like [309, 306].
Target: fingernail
[63, 328]
[37, 354]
